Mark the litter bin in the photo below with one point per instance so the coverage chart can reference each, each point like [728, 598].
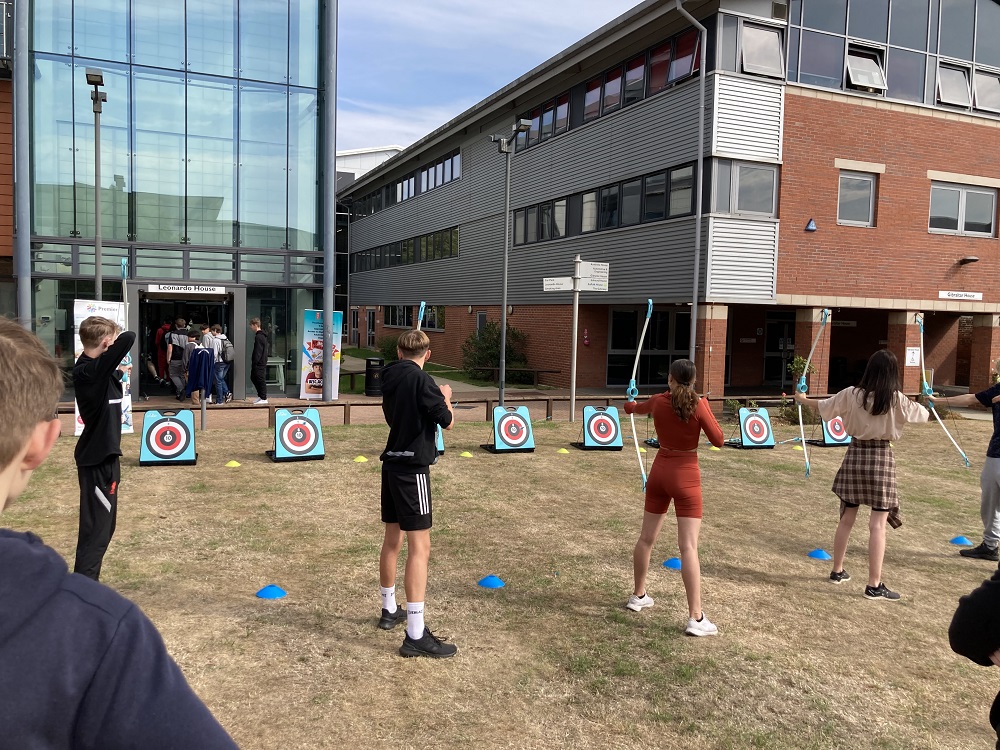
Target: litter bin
[373, 376]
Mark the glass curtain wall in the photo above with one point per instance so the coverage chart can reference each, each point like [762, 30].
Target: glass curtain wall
[208, 137]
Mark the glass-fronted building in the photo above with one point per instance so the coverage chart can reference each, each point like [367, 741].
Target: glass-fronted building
[211, 171]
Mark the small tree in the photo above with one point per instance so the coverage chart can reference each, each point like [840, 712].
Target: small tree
[482, 349]
[387, 347]
[798, 366]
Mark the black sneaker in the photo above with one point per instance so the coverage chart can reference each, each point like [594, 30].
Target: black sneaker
[840, 577]
[427, 645]
[880, 592]
[982, 552]
[389, 620]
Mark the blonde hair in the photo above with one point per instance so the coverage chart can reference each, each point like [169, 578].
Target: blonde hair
[30, 386]
[94, 329]
[413, 343]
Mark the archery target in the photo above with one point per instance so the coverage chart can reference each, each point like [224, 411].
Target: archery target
[298, 435]
[755, 428]
[601, 428]
[835, 432]
[512, 429]
[167, 438]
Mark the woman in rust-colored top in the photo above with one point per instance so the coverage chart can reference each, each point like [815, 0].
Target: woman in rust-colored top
[679, 416]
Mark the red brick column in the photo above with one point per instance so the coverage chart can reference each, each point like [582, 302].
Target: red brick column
[807, 326]
[904, 333]
[710, 350]
[985, 351]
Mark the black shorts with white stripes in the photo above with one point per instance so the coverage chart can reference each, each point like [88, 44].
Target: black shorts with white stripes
[406, 499]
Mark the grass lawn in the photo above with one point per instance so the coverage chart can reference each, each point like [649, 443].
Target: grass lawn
[553, 659]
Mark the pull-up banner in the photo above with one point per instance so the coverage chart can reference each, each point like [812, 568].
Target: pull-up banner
[311, 380]
[83, 309]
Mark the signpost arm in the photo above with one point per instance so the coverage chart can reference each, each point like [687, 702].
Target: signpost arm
[576, 321]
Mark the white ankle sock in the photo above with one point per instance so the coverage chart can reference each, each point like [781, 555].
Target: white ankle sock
[415, 619]
[388, 598]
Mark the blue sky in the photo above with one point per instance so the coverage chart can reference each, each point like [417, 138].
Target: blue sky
[406, 67]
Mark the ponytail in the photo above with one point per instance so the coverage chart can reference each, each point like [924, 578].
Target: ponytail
[683, 396]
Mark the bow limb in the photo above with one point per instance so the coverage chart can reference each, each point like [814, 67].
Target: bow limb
[632, 391]
[803, 387]
[420, 314]
[928, 392]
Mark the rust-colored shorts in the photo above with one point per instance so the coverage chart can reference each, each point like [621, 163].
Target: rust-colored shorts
[675, 476]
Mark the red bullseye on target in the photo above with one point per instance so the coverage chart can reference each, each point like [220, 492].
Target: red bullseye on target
[513, 430]
[167, 439]
[602, 429]
[836, 428]
[298, 436]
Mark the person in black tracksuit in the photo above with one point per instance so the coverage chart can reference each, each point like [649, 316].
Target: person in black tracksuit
[258, 361]
[97, 380]
[975, 633]
[413, 405]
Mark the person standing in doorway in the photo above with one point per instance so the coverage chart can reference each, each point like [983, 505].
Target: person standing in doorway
[97, 379]
[176, 342]
[160, 341]
[225, 353]
[258, 361]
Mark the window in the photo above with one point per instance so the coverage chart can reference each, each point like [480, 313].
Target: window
[531, 224]
[609, 207]
[755, 188]
[559, 218]
[631, 209]
[659, 67]
[762, 51]
[856, 199]
[822, 60]
[655, 197]
[398, 316]
[987, 91]
[562, 114]
[548, 118]
[434, 317]
[588, 221]
[685, 60]
[635, 80]
[953, 86]
[592, 100]
[613, 90]
[534, 135]
[959, 209]
[519, 227]
[865, 69]
[681, 191]
[544, 221]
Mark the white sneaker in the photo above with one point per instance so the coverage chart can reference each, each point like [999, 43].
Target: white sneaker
[638, 603]
[260, 402]
[705, 627]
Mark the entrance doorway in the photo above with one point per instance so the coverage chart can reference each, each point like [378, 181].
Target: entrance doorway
[370, 321]
[779, 348]
[352, 339]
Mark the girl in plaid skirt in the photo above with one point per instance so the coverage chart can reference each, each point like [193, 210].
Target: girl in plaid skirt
[873, 413]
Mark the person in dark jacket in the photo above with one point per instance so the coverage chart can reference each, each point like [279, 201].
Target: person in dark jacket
[975, 633]
[258, 361]
[97, 379]
[80, 666]
[413, 405]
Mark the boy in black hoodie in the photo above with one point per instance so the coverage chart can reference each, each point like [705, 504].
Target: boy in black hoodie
[80, 666]
[97, 378]
[414, 405]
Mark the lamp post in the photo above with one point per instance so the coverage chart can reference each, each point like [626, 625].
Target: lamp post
[95, 78]
[505, 146]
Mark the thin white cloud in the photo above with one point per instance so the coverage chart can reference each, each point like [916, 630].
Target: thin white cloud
[364, 125]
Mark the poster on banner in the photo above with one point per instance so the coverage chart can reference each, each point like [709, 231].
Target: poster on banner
[311, 382]
[83, 309]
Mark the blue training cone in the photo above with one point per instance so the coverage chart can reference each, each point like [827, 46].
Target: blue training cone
[271, 592]
[962, 541]
[492, 582]
[820, 554]
[674, 563]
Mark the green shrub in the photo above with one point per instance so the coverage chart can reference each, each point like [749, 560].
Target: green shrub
[387, 348]
[482, 349]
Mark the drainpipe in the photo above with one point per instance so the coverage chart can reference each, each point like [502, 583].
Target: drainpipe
[699, 187]
[22, 168]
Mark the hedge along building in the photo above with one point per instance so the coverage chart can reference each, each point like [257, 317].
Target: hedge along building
[870, 121]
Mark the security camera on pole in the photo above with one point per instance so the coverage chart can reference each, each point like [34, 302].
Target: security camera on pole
[592, 277]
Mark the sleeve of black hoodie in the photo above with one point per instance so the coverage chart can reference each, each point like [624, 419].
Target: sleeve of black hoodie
[104, 366]
[259, 355]
[139, 698]
[432, 402]
[975, 628]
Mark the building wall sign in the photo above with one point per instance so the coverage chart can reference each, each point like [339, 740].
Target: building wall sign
[960, 295]
[186, 289]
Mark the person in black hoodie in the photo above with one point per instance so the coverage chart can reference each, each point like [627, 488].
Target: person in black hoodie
[97, 378]
[258, 361]
[413, 405]
[975, 633]
[81, 667]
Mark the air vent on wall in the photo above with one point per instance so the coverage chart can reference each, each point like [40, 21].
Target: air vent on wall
[779, 11]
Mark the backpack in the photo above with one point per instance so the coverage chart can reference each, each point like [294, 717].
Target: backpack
[228, 351]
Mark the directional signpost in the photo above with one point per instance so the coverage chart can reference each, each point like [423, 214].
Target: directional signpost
[587, 277]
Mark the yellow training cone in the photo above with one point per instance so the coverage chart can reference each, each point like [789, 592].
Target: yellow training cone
[642, 450]
[233, 464]
[796, 447]
[562, 450]
[465, 454]
[713, 448]
[361, 460]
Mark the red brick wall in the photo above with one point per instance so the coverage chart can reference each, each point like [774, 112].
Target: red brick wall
[6, 169]
[898, 258]
[963, 355]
